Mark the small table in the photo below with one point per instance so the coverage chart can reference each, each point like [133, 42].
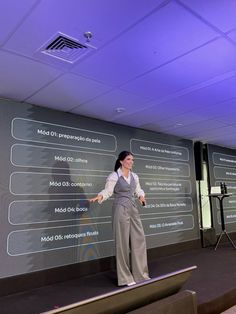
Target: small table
[221, 197]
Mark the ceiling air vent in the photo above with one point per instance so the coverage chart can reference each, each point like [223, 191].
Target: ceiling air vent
[66, 48]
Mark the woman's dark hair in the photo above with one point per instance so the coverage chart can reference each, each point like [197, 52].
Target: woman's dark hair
[121, 157]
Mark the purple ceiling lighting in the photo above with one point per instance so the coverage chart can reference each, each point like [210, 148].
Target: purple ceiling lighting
[170, 64]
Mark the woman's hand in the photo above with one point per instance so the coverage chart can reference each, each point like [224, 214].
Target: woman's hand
[142, 200]
[98, 198]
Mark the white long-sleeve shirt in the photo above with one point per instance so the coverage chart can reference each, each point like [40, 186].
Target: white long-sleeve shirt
[112, 180]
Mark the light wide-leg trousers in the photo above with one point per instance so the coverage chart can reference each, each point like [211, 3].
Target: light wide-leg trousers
[130, 245]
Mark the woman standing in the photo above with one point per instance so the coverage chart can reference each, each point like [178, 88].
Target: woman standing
[127, 227]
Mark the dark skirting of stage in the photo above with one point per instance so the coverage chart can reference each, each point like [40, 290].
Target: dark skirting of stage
[214, 281]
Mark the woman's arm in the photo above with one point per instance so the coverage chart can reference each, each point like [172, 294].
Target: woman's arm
[108, 190]
[138, 191]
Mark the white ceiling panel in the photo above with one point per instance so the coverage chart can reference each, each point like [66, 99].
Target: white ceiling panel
[119, 101]
[216, 135]
[221, 111]
[216, 58]
[182, 120]
[147, 45]
[202, 99]
[171, 64]
[20, 77]
[228, 118]
[11, 14]
[227, 131]
[200, 105]
[224, 139]
[232, 35]
[220, 13]
[68, 91]
[150, 113]
[198, 128]
[74, 17]
[224, 143]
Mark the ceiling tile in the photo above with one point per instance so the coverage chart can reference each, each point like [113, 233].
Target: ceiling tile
[21, 77]
[197, 128]
[11, 14]
[149, 114]
[165, 62]
[104, 18]
[215, 58]
[108, 104]
[203, 99]
[217, 12]
[68, 92]
[181, 120]
[221, 111]
[219, 133]
[150, 43]
[232, 35]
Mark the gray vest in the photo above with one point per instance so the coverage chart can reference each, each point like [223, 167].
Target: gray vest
[124, 192]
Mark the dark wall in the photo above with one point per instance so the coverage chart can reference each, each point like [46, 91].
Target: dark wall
[51, 163]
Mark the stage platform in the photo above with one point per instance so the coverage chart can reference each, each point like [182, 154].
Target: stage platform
[214, 281]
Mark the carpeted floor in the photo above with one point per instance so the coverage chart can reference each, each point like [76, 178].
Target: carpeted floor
[214, 281]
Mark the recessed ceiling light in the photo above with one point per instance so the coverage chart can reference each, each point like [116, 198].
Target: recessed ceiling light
[120, 109]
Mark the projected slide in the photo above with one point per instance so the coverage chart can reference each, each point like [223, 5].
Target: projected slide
[222, 168]
[52, 163]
